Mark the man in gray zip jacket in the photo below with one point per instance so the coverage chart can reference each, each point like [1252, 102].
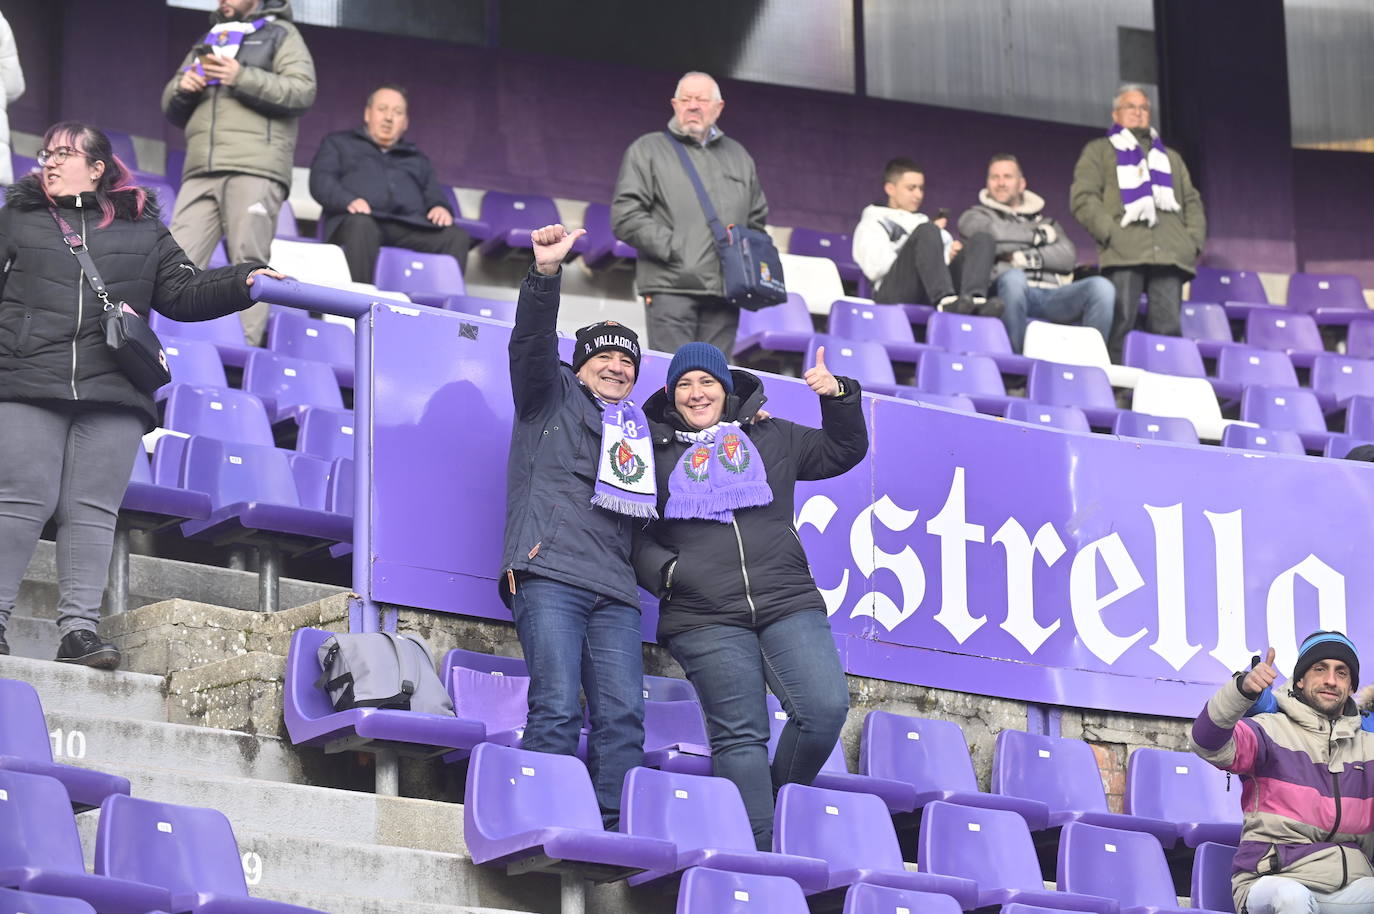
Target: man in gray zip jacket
[566, 572]
[656, 210]
[239, 105]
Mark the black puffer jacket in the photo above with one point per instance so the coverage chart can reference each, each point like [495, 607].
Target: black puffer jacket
[398, 184]
[51, 345]
[753, 571]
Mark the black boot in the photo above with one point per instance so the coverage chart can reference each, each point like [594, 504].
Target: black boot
[84, 646]
[4, 645]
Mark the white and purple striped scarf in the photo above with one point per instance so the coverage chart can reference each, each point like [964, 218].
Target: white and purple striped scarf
[225, 38]
[625, 480]
[1145, 179]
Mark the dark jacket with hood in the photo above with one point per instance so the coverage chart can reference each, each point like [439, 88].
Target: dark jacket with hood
[249, 127]
[51, 344]
[753, 571]
[398, 183]
[552, 528]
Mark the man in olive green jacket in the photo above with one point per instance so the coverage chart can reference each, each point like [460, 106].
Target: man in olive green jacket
[1136, 199]
[656, 210]
[238, 95]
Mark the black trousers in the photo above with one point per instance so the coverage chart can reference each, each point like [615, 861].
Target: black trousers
[920, 275]
[361, 236]
[1163, 288]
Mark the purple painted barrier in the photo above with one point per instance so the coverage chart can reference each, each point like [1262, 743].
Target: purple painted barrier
[965, 553]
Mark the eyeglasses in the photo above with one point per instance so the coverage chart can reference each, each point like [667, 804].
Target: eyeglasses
[59, 155]
[1144, 107]
[688, 100]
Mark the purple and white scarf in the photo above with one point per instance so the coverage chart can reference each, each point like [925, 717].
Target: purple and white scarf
[1145, 179]
[225, 38]
[720, 471]
[625, 480]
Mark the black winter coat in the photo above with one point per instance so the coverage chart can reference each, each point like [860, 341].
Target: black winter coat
[754, 571]
[51, 344]
[399, 184]
[552, 528]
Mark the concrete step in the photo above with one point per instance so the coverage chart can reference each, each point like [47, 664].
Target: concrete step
[153, 579]
[32, 637]
[353, 904]
[69, 688]
[301, 810]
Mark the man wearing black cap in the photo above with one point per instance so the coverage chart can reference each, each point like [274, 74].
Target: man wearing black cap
[1307, 774]
[580, 477]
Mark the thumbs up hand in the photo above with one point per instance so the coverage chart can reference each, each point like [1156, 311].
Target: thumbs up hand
[819, 378]
[551, 245]
[1260, 677]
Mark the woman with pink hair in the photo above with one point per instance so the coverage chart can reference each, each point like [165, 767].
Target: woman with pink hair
[72, 419]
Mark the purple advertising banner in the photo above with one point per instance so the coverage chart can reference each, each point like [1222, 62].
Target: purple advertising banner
[966, 552]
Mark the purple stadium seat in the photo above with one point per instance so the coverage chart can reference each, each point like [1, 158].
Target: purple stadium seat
[286, 385]
[1084, 386]
[1337, 378]
[974, 376]
[835, 773]
[1159, 428]
[482, 663]
[785, 327]
[854, 835]
[193, 362]
[993, 847]
[1340, 445]
[1127, 867]
[1325, 292]
[603, 248]
[294, 333]
[312, 721]
[512, 217]
[1359, 417]
[326, 433]
[866, 362]
[1068, 418]
[956, 402]
[932, 756]
[877, 899]
[253, 499]
[1179, 787]
[286, 223]
[477, 229]
[1213, 285]
[40, 850]
[707, 891]
[176, 162]
[25, 746]
[1211, 887]
[187, 850]
[1164, 354]
[312, 479]
[229, 415]
[979, 335]
[675, 737]
[168, 454]
[884, 324]
[1277, 440]
[1239, 367]
[498, 309]
[1207, 325]
[164, 193]
[404, 270]
[12, 902]
[152, 506]
[532, 811]
[498, 701]
[704, 816]
[1293, 408]
[668, 688]
[225, 332]
[23, 165]
[1285, 331]
[835, 246]
[1063, 773]
[1359, 339]
[122, 145]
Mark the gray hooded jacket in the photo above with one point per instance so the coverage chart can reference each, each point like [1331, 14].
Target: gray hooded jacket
[1024, 228]
[656, 209]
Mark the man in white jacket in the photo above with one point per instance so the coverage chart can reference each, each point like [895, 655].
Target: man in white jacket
[908, 258]
[12, 80]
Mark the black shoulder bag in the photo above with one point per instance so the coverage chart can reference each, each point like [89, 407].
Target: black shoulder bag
[135, 346]
[750, 268]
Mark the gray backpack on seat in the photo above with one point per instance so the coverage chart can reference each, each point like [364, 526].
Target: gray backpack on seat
[381, 670]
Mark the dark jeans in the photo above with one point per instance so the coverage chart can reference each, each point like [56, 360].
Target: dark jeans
[677, 319]
[729, 666]
[70, 464]
[920, 275]
[361, 236]
[1163, 288]
[574, 639]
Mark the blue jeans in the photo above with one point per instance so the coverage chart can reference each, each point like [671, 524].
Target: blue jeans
[576, 640]
[1090, 302]
[729, 666]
